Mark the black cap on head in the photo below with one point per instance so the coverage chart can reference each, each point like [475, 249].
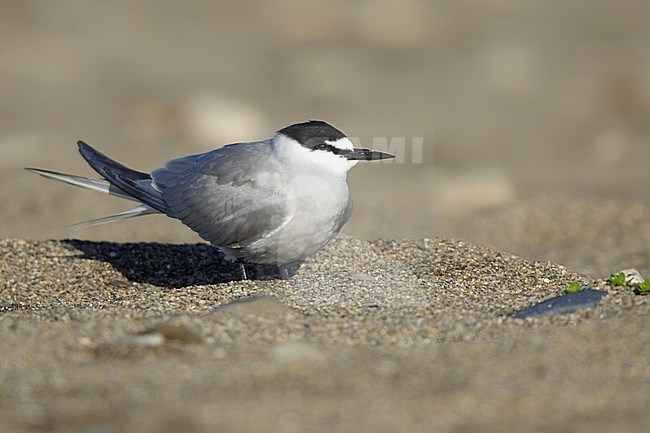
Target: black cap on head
[312, 133]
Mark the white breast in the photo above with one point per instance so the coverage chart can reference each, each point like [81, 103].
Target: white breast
[318, 202]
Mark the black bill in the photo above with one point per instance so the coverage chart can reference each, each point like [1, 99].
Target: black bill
[367, 155]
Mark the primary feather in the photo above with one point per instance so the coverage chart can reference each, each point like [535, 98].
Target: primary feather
[120, 216]
[98, 185]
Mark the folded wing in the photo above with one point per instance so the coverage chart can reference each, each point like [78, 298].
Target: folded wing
[224, 196]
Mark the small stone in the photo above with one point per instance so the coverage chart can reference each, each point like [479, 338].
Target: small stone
[632, 277]
[297, 352]
[569, 303]
[255, 305]
[143, 340]
[85, 341]
[175, 332]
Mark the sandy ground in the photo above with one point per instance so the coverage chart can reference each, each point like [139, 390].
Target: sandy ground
[534, 119]
[369, 336]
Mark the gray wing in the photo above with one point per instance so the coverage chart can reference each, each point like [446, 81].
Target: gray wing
[224, 196]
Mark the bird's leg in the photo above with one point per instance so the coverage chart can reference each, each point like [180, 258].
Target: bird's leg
[288, 270]
[242, 269]
[284, 272]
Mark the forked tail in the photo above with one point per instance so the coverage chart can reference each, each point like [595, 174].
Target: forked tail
[119, 181]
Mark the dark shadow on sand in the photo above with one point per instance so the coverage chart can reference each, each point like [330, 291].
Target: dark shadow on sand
[169, 265]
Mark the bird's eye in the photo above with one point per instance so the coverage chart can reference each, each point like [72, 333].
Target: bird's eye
[328, 147]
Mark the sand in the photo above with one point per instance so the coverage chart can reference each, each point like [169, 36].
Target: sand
[369, 336]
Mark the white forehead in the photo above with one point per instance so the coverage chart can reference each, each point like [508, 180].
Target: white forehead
[342, 143]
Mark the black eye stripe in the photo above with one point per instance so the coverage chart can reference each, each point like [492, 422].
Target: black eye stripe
[328, 147]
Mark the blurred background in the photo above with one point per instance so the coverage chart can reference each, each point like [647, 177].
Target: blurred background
[534, 116]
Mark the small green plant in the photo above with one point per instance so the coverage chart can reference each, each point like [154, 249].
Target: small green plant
[616, 279]
[643, 288]
[573, 287]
